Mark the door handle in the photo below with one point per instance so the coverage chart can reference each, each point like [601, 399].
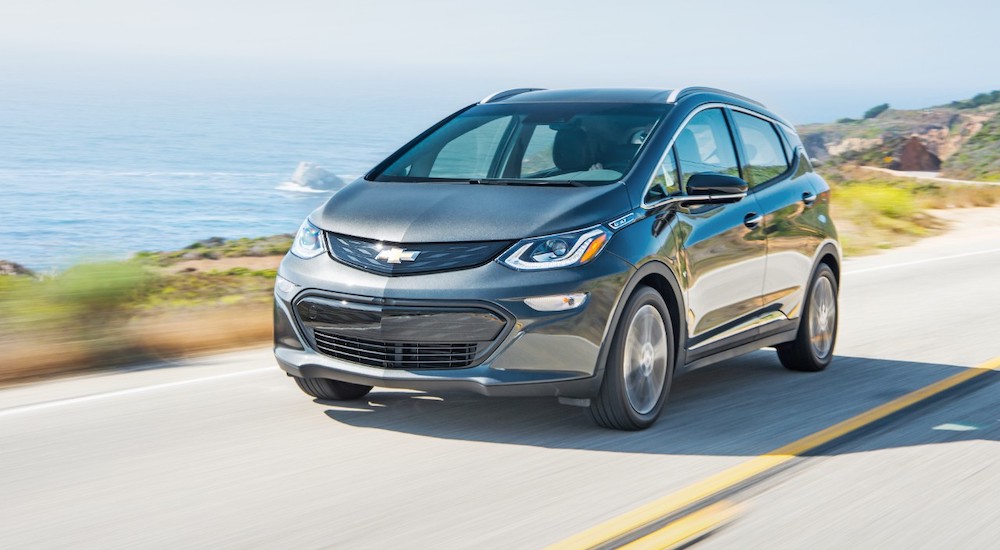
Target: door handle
[752, 220]
[808, 198]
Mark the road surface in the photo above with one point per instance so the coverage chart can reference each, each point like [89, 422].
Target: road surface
[225, 452]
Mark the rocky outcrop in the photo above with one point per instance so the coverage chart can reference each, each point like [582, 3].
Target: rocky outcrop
[914, 156]
[942, 132]
[815, 147]
[850, 145]
[12, 268]
[312, 176]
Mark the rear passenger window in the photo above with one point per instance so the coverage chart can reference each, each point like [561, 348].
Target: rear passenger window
[704, 145]
[765, 153]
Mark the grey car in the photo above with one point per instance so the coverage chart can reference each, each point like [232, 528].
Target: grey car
[589, 245]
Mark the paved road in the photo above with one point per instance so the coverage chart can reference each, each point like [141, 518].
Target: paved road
[225, 452]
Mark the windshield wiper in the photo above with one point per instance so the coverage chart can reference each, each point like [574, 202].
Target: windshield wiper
[556, 183]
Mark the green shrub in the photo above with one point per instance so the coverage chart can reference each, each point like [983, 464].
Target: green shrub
[217, 247]
[978, 100]
[979, 158]
[873, 202]
[876, 110]
[88, 303]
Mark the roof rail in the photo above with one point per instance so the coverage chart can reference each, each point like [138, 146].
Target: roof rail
[502, 95]
[678, 93]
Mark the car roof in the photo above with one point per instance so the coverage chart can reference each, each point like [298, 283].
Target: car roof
[596, 95]
[698, 94]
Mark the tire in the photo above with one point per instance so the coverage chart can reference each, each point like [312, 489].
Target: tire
[812, 349]
[640, 365]
[332, 390]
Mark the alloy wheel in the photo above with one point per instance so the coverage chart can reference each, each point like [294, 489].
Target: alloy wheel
[645, 361]
[822, 317]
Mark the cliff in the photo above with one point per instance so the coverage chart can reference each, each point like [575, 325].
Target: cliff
[961, 139]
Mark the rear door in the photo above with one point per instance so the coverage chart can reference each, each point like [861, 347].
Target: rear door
[785, 197]
[724, 249]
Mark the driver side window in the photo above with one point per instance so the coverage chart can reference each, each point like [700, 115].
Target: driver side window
[705, 145]
[665, 182]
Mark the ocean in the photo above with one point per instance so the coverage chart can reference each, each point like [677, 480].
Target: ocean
[92, 176]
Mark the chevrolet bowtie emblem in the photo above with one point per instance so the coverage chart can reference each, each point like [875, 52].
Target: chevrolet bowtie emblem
[397, 255]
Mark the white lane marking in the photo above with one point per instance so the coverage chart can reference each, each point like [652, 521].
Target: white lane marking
[955, 427]
[923, 261]
[129, 391]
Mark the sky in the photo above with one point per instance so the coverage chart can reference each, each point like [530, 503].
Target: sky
[811, 61]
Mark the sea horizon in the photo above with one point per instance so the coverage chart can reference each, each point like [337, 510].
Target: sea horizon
[95, 177]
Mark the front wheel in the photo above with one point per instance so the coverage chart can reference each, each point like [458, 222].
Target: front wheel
[638, 373]
[812, 349]
[332, 390]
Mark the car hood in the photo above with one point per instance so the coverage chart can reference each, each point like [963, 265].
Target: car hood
[454, 212]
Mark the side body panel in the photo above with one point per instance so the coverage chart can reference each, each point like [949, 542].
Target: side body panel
[796, 221]
[722, 267]
[709, 251]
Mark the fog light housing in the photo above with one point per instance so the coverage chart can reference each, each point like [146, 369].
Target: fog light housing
[284, 288]
[558, 302]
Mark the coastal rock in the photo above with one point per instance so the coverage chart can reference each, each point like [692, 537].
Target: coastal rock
[209, 242]
[311, 175]
[914, 156]
[854, 145]
[942, 131]
[12, 268]
[815, 147]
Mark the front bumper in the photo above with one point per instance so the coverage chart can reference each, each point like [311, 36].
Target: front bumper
[535, 353]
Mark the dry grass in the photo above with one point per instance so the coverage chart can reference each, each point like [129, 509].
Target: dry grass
[144, 338]
[191, 332]
[875, 211]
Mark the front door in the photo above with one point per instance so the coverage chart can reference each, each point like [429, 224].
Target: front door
[724, 250]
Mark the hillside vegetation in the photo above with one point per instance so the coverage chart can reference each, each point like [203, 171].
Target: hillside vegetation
[212, 295]
[979, 157]
[962, 138]
[876, 211]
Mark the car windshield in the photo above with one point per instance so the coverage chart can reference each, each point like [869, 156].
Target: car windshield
[529, 144]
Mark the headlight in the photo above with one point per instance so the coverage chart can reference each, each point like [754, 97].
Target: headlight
[308, 241]
[554, 251]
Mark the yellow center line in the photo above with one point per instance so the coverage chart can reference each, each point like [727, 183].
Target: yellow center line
[688, 528]
[728, 478]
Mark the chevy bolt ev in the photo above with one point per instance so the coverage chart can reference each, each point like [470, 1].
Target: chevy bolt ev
[584, 244]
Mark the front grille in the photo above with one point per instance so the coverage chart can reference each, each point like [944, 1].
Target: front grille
[401, 335]
[429, 257]
[396, 355]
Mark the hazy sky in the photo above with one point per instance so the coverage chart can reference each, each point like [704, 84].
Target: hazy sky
[810, 60]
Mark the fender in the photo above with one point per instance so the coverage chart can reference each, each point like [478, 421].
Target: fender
[829, 247]
[651, 267]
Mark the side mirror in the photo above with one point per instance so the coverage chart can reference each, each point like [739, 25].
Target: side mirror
[704, 188]
[714, 188]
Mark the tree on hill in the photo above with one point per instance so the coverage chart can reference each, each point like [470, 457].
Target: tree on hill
[876, 110]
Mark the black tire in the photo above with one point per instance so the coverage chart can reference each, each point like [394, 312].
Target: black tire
[612, 407]
[800, 354]
[332, 390]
